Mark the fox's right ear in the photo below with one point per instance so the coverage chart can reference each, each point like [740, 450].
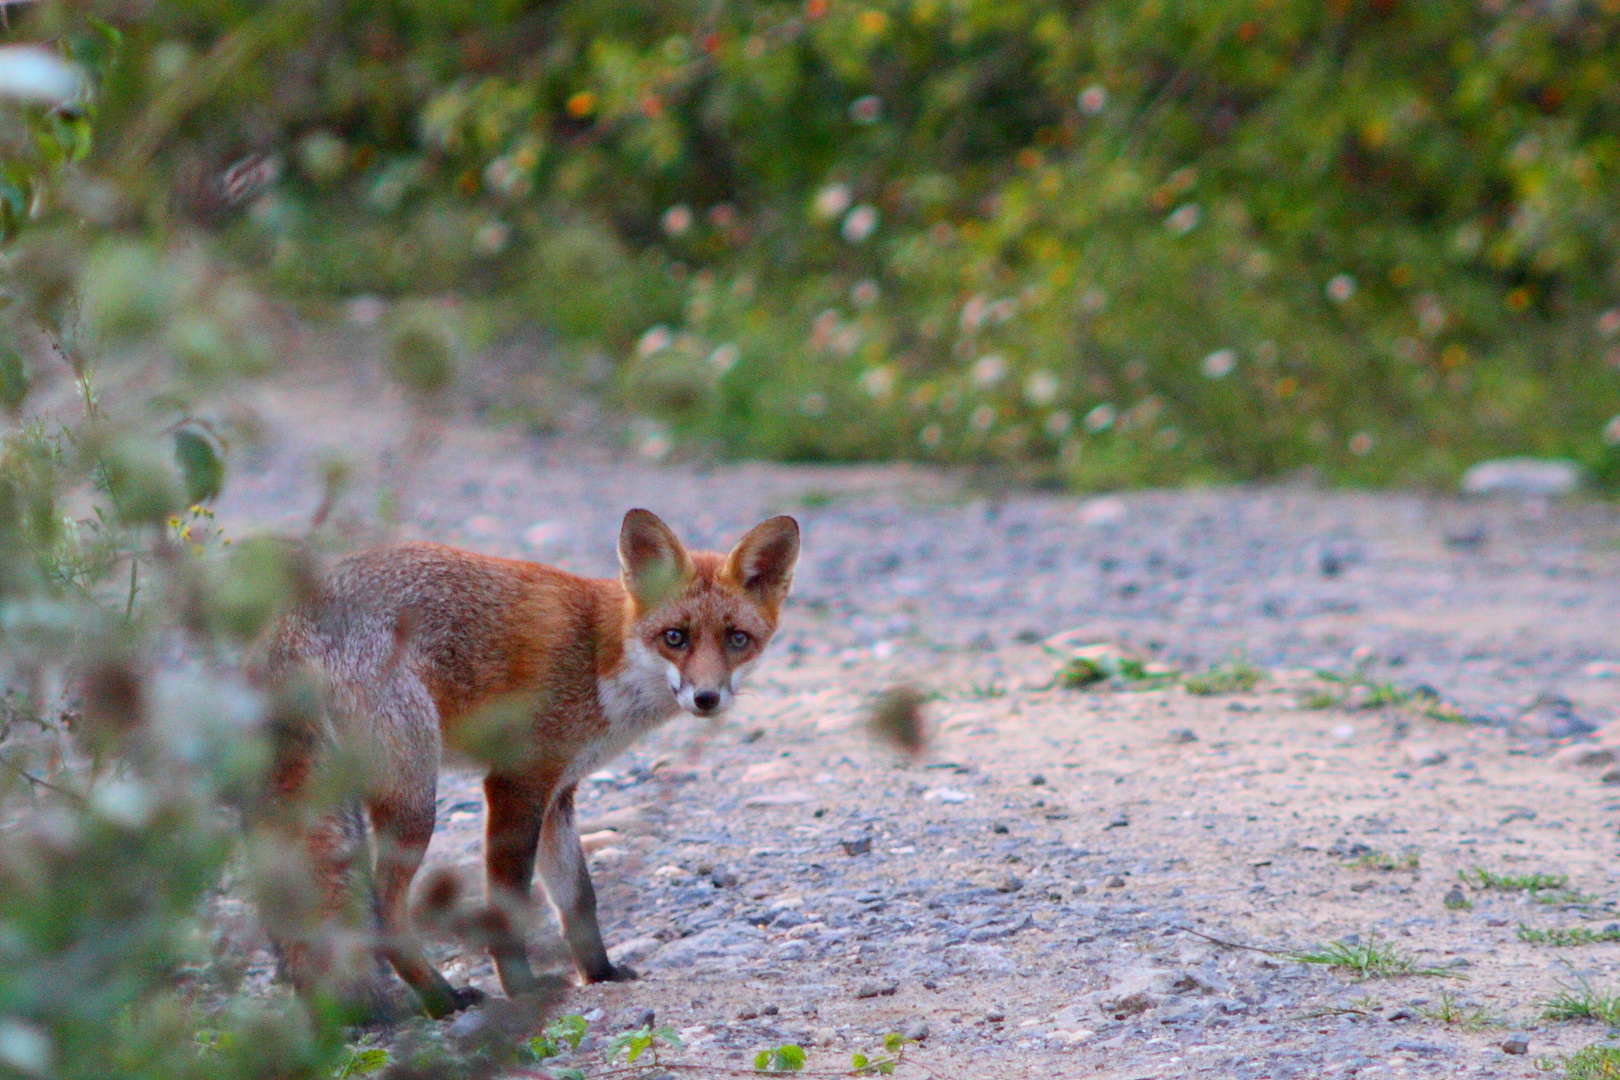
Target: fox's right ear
[652, 562]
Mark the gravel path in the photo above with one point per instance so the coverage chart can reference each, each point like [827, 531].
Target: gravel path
[1034, 894]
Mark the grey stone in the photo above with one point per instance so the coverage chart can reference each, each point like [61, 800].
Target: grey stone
[874, 988]
[914, 1027]
[1551, 716]
[859, 845]
[1517, 1043]
[1583, 756]
[466, 1023]
[635, 950]
[1546, 477]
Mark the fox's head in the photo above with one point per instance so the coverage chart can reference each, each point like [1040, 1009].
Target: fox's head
[706, 615]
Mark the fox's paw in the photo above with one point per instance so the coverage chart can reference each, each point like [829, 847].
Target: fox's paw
[614, 973]
[466, 997]
[454, 1000]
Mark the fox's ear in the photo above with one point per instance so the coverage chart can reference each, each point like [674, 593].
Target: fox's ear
[653, 564]
[763, 560]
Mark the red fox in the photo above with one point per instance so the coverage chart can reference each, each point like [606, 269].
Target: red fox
[416, 642]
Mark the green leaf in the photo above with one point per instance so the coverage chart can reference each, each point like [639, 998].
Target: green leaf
[541, 1048]
[669, 1035]
[762, 1061]
[568, 1074]
[201, 470]
[14, 384]
[892, 1041]
[789, 1058]
[859, 1061]
[569, 1029]
[364, 1062]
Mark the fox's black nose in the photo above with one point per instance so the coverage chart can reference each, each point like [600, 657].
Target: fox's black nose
[706, 700]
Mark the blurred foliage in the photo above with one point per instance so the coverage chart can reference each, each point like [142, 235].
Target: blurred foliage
[134, 741]
[1108, 243]
[1122, 242]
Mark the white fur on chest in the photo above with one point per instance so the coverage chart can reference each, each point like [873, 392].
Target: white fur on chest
[636, 699]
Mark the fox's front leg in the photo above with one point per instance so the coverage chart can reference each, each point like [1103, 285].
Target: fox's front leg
[568, 885]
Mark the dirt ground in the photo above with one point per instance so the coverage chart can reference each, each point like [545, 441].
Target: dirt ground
[1051, 890]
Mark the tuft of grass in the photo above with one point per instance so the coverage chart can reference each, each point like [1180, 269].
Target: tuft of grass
[1085, 669]
[1370, 959]
[1480, 878]
[1543, 888]
[1467, 1017]
[1561, 937]
[986, 691]
[1595, 1062]
[1375, 694]
[1380, 860]
[816, 498]
[1232, 677]
[1582, 1002]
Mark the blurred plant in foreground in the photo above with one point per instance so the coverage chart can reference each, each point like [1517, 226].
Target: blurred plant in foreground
[134, 738]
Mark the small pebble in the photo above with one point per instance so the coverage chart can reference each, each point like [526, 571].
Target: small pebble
[1517, 1043]
[1115, 881]
[860, 845]
[1009, 882]
[995, 1016]
[1456, 899]
[1037, 780]
[915, 1028]
[1183, 735]
[872, 988]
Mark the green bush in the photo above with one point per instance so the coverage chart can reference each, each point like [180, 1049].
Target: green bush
[1129, 243]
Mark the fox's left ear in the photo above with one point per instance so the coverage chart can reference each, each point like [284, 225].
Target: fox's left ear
[763, 560]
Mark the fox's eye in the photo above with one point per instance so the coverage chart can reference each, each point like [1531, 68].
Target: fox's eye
[737, 639]
[674, 638]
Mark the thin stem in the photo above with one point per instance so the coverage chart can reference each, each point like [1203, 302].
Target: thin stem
[129, 608]
[1231, 944]
[46, 784]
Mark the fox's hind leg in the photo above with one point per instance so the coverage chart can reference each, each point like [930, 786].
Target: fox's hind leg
[314, 893]
[402, 728]
[402, 831]
[512, 832]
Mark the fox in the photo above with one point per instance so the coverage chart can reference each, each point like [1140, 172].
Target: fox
[414, 643]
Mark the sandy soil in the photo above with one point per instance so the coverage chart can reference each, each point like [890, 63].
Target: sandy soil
[1043, 893]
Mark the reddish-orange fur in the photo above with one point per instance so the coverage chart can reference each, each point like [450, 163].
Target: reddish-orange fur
[424, 646]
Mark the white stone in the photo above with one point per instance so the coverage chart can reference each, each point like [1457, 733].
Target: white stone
[1522, 476]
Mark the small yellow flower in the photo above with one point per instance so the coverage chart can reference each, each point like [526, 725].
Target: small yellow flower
[872, 23]
[582, 105]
